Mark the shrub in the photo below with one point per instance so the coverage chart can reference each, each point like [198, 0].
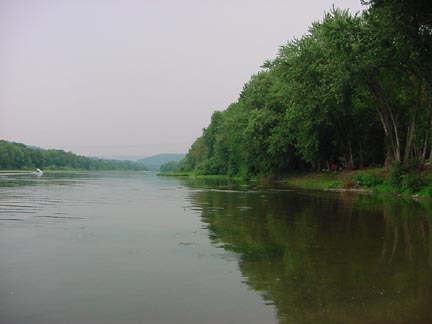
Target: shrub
[412, 182]
[406, 177]
[427, 190]
[397, 171]
[172, 166]
[367, 179]
[414, 165]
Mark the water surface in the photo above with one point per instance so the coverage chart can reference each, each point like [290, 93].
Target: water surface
[136, 248]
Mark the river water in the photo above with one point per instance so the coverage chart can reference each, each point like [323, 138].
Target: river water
[137, 248]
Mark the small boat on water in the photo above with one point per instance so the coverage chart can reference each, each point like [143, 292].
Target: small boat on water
[38, 172]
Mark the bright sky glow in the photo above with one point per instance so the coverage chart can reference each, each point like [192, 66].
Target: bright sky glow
[134, 77]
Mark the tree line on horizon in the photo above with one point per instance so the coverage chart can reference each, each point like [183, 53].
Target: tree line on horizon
[17, 156]
[354, 91]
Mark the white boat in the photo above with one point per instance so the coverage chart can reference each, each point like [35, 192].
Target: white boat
[38, 172]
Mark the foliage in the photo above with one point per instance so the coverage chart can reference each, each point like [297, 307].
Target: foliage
[405, 176]
[368, 179]
[19, 156]
[172, 166]
[396, 174]
[412, 183]
[426, 190]
[353, 91]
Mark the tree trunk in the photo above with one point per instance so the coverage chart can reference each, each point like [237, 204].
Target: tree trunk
[350, 158]
[430, 153]
[387, 119]
[396, 135]
[423, 156]
[408, 144]
[429, 91]
[426, 138]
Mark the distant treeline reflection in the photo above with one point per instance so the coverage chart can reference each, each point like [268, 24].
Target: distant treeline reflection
[327, 258]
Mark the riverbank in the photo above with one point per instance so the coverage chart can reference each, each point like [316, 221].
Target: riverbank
[414, 184]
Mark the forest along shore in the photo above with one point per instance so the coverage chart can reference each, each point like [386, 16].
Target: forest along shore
[354, 93]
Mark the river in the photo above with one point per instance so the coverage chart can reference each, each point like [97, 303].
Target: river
[131, 247]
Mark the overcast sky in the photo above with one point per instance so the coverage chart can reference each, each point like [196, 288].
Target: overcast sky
[134, 77]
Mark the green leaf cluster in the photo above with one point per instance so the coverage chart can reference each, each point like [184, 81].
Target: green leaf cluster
[354, 91]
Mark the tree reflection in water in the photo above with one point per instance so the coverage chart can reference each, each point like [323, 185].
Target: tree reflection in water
[326, 257]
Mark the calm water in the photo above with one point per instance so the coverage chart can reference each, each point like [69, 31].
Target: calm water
[136, 248]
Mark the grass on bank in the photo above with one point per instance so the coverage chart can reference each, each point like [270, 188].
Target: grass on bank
[399, 179]
[396, 180]
[315, 180]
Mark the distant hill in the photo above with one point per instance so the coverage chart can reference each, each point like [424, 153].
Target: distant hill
[120, 157]
[154, 162]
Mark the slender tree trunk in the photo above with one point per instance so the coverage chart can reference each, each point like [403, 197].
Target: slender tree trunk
[383, 121]
[408, 144]
[350, 161]
[426, 138]
[429, 92]
[430, 153]
[393, 124]
[348, 125]
[396, 135]
[423, 156]
[428, 132]
[415, 151]
[387, 119]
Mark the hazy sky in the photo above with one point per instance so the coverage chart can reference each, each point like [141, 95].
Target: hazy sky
[134, 77]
